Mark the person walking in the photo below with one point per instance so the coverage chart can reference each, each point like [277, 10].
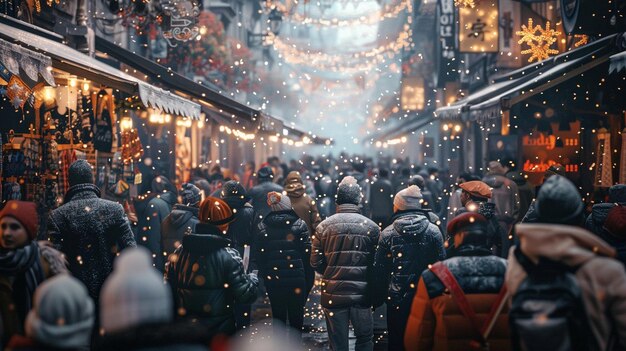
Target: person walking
[381, 199]
[258, 194]
[343, 249]
[88, 230]
[457, 297]
[608, 220]
[405, 249]
[62, 318]
[505, 195]
[181, 220]
[206, 275]
[566, 275]
[283, 250]
[152, 209]
[137, 312]
[24, 264]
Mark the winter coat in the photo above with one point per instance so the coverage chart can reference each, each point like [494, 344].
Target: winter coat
[151, 212]
[175, 336]
[405, 249]
[499, 238]
[21, 272]
[454, 204]
[526, 193]
[241, 230]
[381, 200]
[207, 278]
[436, 322]
[505, 195]
[343, 249]
[602, 279]
[595, 224]
[303, 204]
[258, 196]
[22, 343]
[325, 192]
[89, 231]
[283, 250]
[182, 220]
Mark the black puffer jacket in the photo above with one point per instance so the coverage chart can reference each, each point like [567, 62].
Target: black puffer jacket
[89, 231]
[258, 196]
[405, 249]
[151, 212]
[182, 220]
[381, 200]
[343, 249]
[207, 277]
[595, 224]
[241, 230]
[283, 250]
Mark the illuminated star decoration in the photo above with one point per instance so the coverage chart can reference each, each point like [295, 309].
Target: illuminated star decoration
[539, 40]
[465, 3]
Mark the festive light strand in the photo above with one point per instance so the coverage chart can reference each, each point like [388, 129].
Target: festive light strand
[465, 3]
[539, 40]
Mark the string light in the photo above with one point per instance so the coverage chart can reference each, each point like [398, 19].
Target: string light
[390, 11]
[465, 3]
[582, 40]
[539, 40]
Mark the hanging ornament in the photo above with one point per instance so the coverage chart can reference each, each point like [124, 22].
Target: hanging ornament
[17, 92]
[604, 169]
[465, 3]
[539, 40]
[582, 40]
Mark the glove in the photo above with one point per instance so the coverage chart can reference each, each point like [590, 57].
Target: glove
[254, 278]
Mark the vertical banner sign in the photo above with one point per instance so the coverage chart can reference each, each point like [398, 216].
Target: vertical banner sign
[509, 23]
[478, 27]
[447, 60]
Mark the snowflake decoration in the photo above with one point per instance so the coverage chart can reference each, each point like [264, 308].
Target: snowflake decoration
[539, 40]
[582, 40]
[465, 3]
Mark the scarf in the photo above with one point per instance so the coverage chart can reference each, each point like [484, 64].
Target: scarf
[25, 266]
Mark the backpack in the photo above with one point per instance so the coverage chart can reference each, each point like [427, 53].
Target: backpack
[547, 311]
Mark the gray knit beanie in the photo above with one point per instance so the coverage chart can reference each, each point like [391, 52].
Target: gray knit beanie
[63, 314]
[349, 192]
[190, 195]
[80, 173]
[558, 201]
[278, 202]
[408, 199]
[134, 294]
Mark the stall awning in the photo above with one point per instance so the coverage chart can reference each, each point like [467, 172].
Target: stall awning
[524, 83]
[75, 62]
[201, 92]
[618, 62]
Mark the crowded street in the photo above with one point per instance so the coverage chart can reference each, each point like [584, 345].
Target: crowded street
[312, 175]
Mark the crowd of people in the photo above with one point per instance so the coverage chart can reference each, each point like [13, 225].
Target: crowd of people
[481, 262]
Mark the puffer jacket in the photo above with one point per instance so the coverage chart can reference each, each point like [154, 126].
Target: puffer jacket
[283, 250]
[86, 229]
[343, 249]
[505, 195]
[302, 203]
[595, 224]
[241, 230]
[182, 220]
[152, 211]
[602, 279]
[258, 196]
[207, 277]
[437, 324]
[405, 249]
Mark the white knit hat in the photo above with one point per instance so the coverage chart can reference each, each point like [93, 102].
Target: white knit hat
[408, 199]
[278, 201]
[134, 294]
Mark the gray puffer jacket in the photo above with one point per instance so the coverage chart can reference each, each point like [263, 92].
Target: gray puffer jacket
[343, 249]
[405, 249]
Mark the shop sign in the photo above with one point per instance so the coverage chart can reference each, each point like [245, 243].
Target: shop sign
[540, 151]
[510, 21]
[180, 22]
[447, 55]
[412, 97]
[478, 27]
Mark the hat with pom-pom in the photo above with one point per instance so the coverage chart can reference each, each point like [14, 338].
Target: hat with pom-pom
[278, 202]
[408, 199]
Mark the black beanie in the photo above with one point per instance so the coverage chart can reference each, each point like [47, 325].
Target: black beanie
[265, 173]
[80, 173]
[234, 194]
[559, 202]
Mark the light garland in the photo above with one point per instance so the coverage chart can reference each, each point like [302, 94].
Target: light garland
[390, 11]
[465, 3]
[539, 40]
[237, 133]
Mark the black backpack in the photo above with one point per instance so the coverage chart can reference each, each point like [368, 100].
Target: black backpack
[547, 311]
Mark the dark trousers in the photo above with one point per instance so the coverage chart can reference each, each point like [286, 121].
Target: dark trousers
[287, 305]
[397, 317]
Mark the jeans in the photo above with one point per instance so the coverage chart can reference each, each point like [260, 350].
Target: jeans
[287, 305]
[397, 317]
[337, 322]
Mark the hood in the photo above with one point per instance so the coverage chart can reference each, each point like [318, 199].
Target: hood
[294, 185]
[411, 224]
[495, 180]
[599, 212]
[181, 214]
[169, 197]
[281, 219]
[570, 245]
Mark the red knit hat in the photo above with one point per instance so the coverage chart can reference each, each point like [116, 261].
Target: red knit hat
[24, 212]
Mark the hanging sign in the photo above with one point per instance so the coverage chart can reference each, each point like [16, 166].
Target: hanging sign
[447, 55]
[478, 27]
[180, 21]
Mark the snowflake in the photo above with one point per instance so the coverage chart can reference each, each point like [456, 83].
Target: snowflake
[465, 3]
[539, 40]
